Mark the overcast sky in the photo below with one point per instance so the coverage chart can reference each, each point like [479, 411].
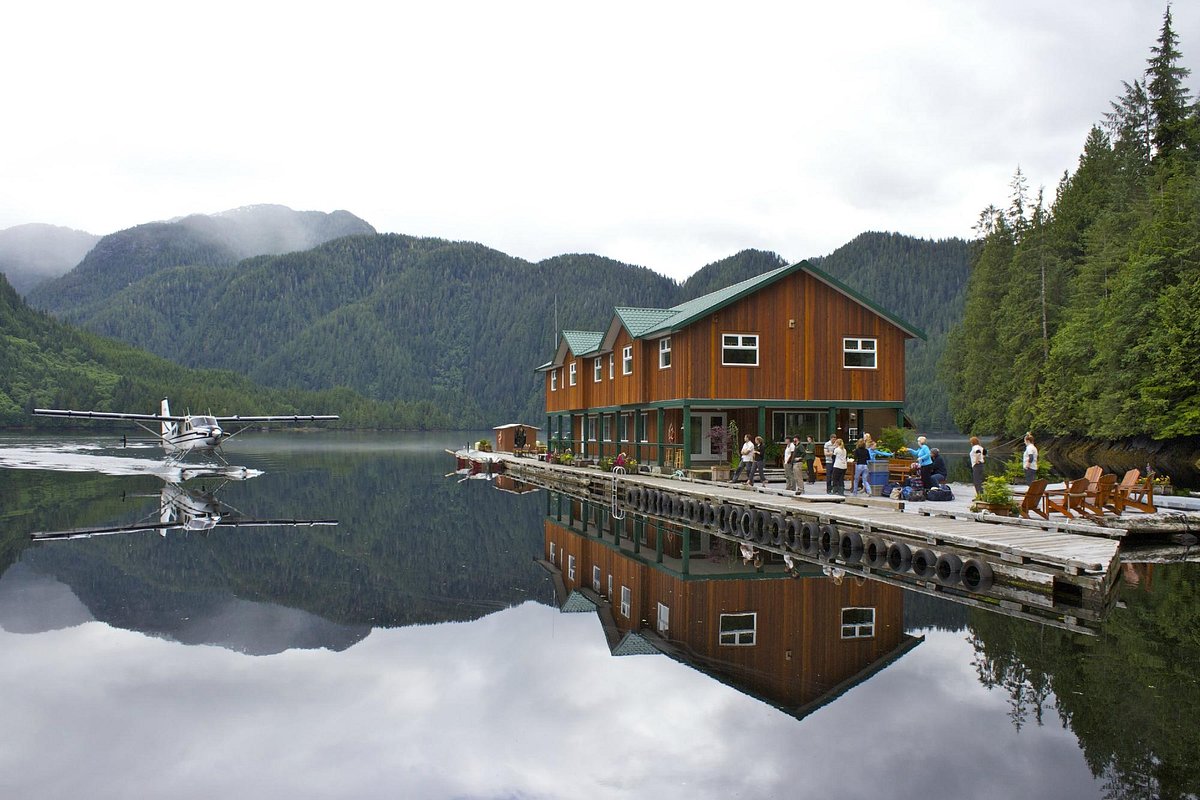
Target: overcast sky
[662, 134]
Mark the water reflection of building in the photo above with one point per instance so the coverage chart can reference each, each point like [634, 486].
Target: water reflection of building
[796, 643]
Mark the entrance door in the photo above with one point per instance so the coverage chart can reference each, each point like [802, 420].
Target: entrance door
[702, 445]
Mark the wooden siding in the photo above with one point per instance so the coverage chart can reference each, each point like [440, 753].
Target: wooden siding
[800, 323]
[798, 654]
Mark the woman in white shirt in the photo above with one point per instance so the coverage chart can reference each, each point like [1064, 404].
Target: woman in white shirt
[1029, 461]
[977, 456]
[840, 462]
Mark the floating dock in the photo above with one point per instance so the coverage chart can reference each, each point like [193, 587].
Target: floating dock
[1058, 576]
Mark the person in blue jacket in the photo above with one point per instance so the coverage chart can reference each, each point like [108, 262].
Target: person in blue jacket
[924, 461]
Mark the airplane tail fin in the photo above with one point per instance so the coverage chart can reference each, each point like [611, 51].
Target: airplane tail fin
[168, 428]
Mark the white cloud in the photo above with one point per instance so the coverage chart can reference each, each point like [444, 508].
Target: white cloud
[666, 135]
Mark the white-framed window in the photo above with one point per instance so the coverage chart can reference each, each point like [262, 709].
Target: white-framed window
[571, 373]
[571, 567]
[626, 601]
[664, 352]
[596, 579]
[597, 369]
[739, 349]
[592, 428]
[610, 594]
[645, 425]
[552, 552]
[858, 623]
[664, 618]
[606, 421]
[554, 380]
[627, 360]
[858, 353]
[623, 423]
[612, 365]
[737, 630]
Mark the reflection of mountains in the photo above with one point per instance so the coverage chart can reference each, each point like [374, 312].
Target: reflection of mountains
[410, 548]
[794, 642]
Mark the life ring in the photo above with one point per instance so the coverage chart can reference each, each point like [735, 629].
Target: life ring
[850, 547]
[948, 569]
[791, 536]
[828, 543]
[875, 552]
[810, 536]
[923, 562]
[899, 557]
[976, 575]
[778, 529]
[745, 524]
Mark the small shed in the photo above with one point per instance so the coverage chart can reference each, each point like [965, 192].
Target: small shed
[516, 437]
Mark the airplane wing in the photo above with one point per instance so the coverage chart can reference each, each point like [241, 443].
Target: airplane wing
[162, 527]
[279, 418]
[59, 412]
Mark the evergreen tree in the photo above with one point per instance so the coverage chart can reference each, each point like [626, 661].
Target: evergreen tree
[1168, 98]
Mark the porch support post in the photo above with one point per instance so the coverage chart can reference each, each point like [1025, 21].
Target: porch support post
[900, 417]
[762, 424]
[832, 420]
[658, 542]
[686, 533]
[661, 419]
[687, 436]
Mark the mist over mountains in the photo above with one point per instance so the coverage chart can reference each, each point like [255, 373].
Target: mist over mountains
[33, 253]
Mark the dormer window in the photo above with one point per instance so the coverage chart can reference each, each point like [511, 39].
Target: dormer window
[664, 352]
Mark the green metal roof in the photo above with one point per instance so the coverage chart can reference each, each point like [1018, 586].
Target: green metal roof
[639, 320]
[688, 312]
[583, 342]
[634, 644]
[577, 602]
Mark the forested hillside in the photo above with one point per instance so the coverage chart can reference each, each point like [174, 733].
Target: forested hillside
[456, 324]
[123, 258]
[47, 363]
[1083, 317]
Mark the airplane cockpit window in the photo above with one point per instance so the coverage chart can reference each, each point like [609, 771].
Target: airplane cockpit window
[209, 422]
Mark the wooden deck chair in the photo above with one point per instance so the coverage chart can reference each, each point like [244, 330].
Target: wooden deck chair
[1116, 498]
[819, 468]
[1096, 499]
[1067, 500]
[1093, 474]
[1034, 500]
[1139, 496]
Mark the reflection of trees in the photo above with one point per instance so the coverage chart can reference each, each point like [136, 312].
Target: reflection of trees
[1131, 695]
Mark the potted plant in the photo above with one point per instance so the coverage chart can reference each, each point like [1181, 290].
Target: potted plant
[997, 497]
[721, 438]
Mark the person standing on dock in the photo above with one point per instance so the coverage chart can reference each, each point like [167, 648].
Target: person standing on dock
[760, 461]
[830, 447]
[862, 458]
[789, 463]
[1030, 460]
[747, 462]
[810, 458]
[977, 457]
[840, 462]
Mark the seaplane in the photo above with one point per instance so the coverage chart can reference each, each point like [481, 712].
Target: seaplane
[186, 510]
[181, 435]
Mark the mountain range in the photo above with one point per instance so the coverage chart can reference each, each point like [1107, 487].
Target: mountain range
[404, 319]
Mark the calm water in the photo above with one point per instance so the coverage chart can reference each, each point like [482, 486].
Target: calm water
[415, 649]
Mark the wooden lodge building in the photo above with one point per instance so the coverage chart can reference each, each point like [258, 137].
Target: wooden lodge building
[796, 644]
[791, 351]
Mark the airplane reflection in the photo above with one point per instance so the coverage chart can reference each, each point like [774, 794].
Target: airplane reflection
[186, 509]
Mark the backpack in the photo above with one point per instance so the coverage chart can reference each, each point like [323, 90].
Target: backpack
[940, 494]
